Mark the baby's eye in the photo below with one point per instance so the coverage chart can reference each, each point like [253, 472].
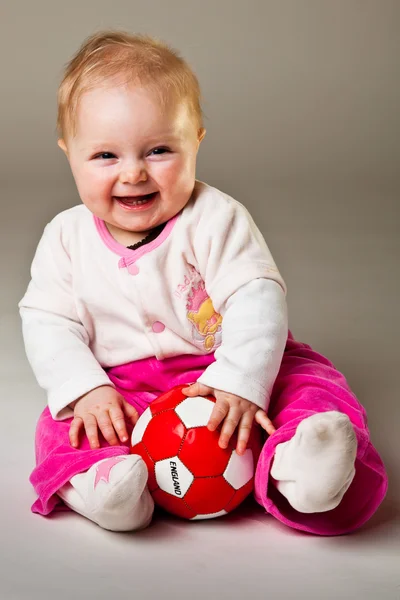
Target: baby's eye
[159, 151]
[105, 155]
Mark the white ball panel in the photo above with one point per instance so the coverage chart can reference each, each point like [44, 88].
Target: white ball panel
[221, 513]
[195, 412]
[240, 469]
[140, 427]
[173, 477]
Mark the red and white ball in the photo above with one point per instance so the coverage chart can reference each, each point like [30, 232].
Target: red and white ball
[189, 474]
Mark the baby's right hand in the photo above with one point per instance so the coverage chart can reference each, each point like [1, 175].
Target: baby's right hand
[105, 409]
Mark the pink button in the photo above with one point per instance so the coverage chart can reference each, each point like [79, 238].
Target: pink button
[158, 327]
[133, 269]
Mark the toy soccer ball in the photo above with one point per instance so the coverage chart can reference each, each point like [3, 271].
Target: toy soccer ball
[189, 474]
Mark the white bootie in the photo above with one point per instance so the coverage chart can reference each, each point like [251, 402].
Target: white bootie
[315, 468]
[112, 493]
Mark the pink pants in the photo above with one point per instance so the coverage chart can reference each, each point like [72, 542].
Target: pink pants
[307, 383]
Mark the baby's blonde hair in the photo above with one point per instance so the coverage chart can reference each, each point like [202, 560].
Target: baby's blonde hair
[123, 58]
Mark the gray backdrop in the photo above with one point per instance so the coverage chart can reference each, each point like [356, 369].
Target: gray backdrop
[302, 103]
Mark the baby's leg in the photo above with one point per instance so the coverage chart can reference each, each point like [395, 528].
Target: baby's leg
[319, 471]
[106, 485]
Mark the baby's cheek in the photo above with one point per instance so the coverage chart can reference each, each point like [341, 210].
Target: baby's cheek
[94, 191]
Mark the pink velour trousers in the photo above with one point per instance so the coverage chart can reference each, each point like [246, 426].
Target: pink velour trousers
[307, 383]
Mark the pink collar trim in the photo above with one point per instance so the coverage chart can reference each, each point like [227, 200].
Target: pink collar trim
[128, 256]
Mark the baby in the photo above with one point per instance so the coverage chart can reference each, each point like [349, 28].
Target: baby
[158, 279]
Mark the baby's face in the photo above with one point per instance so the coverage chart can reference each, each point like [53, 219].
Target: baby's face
[126, 147]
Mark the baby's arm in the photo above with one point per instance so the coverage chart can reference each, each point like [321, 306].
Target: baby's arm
[56, 342]
[254, 334]
[246, 288]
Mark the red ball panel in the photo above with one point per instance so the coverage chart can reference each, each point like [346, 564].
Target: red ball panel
[201, 454]
[163, 435]
[209, 495]
[140, 449]
[168, 400]
[174, 505]
[240, 495]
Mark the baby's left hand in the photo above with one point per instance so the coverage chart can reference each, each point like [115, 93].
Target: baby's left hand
[236, 411]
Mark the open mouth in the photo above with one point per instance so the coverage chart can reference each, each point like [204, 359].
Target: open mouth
[135, 201]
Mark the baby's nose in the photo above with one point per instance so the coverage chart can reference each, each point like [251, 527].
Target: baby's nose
[133, 174]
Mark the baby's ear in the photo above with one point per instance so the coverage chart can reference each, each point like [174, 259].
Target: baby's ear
[62, 145]
[200, 135]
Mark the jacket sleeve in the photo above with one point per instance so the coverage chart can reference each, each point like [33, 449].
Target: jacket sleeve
[254, 334]
[246, 288]
[56, 343]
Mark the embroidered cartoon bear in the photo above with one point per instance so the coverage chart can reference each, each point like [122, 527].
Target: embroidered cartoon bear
[202, 314]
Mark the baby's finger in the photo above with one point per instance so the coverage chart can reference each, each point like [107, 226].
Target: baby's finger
[262, 419]
[197, 389]
[219, 413]
[244, 432]
[130, 412]
[118, 421]
[91, 430]
[229, 426]
[106, 427]
[74, 429]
